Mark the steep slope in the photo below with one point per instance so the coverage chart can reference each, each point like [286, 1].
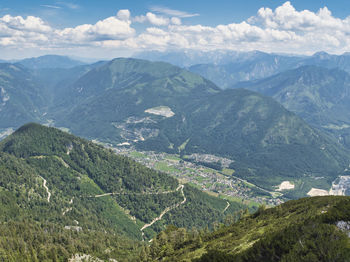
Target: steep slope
[320, 96]
[267, 143]
[311, 229]
[21, 96]
[107, 96]
[84, 182]
[56, 81]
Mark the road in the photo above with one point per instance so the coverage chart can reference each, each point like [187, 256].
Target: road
[47, 189]
[166, 210]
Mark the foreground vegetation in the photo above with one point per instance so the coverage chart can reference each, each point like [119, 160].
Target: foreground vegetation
[300, 230]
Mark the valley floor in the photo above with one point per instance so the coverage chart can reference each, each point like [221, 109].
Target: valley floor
[219, 183]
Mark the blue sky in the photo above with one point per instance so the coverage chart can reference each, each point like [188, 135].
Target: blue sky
[92, 28]
[71, 13]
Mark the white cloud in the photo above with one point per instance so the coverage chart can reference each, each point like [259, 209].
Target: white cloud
[51, 6]
[286, 17]
[175, 21]
[152, 19]
[31, 23]
[171, 12]
[123, 15]
[68, 5]
[111, 28]
[283, 29]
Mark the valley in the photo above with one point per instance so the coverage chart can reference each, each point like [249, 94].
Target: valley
[219, 183]
[174, 131]
[223, 183]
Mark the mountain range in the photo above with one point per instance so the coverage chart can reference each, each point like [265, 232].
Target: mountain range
[158, 106]
[226, 68]
[67, 198]
[50, 61]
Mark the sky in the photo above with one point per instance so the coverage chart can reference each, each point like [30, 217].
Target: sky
[105, 29]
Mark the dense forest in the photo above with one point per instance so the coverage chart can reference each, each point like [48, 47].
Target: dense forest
[65, 191]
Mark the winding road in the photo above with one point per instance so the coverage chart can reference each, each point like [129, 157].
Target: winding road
[167, 209]
[228, 205]
[47, 189]
[127, 193]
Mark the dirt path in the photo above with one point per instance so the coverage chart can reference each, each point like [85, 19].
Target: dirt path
[228, 205]
[127, 193]
[166, 210]
[47, 189]
[68, 208]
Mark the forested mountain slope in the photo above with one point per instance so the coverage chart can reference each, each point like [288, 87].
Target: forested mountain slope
[305, 230]
[55, 180]
[125, 88]
[266, 142]
[22, 97]
[319, 95]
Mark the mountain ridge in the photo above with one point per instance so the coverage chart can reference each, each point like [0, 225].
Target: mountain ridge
[319, 95]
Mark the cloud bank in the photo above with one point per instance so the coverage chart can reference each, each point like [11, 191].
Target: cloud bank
[284, 29]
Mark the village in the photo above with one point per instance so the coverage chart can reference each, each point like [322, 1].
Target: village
[221, 183]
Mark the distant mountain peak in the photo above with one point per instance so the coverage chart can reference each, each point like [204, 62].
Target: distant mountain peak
[50, 61]
[322, 55]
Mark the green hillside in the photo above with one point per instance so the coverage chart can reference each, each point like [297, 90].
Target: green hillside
[70, 185]
[21, 96]
[125, 88]
[320, 96]
[309, 229]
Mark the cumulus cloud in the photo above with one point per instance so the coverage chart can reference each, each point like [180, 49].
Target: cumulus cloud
[107, 29]
[152, 19]
[31, 23]
[123, 15]
[283, 29]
